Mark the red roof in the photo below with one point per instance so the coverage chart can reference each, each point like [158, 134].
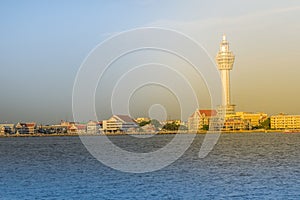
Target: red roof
[28, 124]
[81, 126]
[208, 113]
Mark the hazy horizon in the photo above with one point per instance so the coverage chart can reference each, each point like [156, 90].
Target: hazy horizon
[43, 44]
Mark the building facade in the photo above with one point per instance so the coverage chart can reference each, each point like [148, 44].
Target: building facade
[25, 128]
[283, 121]
[254, 119]
[7, 129]
[118, 123]
[233, 123]
[92, 127]
[199, 119]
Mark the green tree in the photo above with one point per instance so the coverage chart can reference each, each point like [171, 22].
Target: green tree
[266, 124]
[205, 127]
[143, 123]
[171, 126]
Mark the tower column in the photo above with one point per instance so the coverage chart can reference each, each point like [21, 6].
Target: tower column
[225, 76]
[225, 60]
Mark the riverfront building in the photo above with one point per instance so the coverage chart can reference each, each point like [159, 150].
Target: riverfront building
[237, 121]
[92, 127]
[74, 127]
[253, 119]
[25, 128]
[283, 121]
[233, 123]
[243, 120]
[118, 123]
[6, 129]
[199, 119]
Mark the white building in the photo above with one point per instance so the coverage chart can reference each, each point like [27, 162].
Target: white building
[199, 119]
[118, 123]
[92, 127]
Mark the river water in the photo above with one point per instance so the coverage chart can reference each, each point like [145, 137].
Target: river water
[241, 166]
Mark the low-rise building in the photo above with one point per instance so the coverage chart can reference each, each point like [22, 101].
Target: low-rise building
[81, 128]
[148, 128]
[284, 121]
[6, 129]
[199, 119]
[92, 127]
[233, 122]
[118, 123]
[254, 119]
[25, 128]
[52, 129]
[72, 129]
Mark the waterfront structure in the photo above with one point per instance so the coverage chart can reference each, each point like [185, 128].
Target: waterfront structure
[92, 127]
[70, 126]
[199, 119]
[148, 128]
[233, 123]
[253, 119]
[225, 60]
[284, 121]
[118, 123]
[52, 129]
[6, 129]
[25, 128]
[229, 122]
[72, 129]
[81, 128]
[243, 121]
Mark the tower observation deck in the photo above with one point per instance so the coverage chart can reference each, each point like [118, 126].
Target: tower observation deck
[225, 60]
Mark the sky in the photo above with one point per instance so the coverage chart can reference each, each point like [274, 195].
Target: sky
[44, 43]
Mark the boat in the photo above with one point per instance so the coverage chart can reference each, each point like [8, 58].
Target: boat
[291, 131]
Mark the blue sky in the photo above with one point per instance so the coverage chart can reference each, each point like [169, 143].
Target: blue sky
[43, 44]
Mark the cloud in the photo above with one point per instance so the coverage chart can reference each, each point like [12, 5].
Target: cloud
[228, 20]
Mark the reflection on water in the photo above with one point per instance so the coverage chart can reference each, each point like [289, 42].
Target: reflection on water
[240, 166]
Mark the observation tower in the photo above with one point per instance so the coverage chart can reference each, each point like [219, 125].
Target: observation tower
[225, 60]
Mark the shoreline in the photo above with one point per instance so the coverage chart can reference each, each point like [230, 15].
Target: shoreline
[143, 133]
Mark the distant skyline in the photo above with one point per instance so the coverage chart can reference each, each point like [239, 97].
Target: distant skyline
[43, 44]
